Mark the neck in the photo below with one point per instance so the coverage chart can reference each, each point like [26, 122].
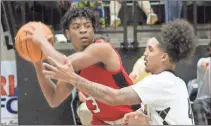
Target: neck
[170, 67]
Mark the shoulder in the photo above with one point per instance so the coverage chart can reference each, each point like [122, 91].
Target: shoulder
[100, 46]
[168, 79]
[163, 79]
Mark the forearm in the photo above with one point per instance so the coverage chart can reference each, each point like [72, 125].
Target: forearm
[99, 92]
[104, 93]
[50, 51]
[78, 61]
[47, 86]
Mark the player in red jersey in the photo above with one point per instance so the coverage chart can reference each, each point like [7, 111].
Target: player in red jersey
[95, 60]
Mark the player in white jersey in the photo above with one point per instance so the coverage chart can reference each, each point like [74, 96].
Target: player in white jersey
[165, 99]
[163, 94]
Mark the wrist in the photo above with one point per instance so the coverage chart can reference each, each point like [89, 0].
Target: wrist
[37, 64]
[42, 42]
[73, 79]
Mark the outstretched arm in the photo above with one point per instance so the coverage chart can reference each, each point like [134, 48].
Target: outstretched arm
[124, 96]
[94, 53]
[108, 95]
[55, 94]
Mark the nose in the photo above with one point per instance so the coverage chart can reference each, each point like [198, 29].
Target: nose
[83, 30]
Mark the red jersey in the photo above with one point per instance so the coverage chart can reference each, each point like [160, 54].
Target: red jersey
[117, 80]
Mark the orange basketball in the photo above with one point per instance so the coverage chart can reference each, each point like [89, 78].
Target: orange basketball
[29, 50]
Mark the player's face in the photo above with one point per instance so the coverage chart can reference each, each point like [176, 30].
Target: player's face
[81, 33]
[153, 55]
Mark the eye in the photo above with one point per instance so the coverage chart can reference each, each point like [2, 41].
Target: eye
[150, 49]
[88, 26]
[75, 27]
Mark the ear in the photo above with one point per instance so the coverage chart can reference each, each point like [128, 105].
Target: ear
[164, 57]
[67, 34]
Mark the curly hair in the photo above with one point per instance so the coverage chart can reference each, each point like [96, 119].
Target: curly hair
[178, 39]
[84, 12]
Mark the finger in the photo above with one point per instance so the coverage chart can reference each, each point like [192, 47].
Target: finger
[70, 66]
[127, 117]
[52, 61]
[57, 64]
[27, 37]
[141, 114]
[49, 37]
[28, 30]
[48, 73]
[125, 120]
[125, 123]
[50, 67]
[51, 77]
[65, 59]
[30, 24]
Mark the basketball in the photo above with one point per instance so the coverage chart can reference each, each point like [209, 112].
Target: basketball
[29, 50]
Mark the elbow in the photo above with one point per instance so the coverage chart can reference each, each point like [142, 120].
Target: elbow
[54, 104]
[111, 102]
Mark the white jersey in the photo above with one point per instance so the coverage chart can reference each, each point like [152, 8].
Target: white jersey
[165, 99]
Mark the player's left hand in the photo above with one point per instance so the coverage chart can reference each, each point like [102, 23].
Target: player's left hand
[55, 70]
[136, 118]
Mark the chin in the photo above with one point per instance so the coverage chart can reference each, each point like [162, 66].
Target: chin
[84, 47]
[147, 70]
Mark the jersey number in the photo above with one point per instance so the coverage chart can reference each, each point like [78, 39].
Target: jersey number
[94, 103]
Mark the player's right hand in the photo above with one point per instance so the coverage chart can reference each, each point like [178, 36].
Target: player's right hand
[36, 34]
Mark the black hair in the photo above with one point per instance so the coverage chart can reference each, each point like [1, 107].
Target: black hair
[84, 12]
[178, 39]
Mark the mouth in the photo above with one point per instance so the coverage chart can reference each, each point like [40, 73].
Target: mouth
[84, 38]
[145, 61]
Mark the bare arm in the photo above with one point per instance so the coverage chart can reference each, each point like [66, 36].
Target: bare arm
[50, 51]
[124, 96]
[54, 94]
[95, 53]
[37, 35]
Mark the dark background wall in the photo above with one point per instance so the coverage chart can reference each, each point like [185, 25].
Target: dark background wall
[33, 108]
